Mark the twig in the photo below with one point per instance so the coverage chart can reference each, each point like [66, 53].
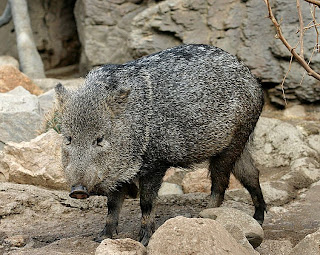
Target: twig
[301, 28]
[313, 14]
[284, 78]
[315, 2]
[304, 73]
[300, 59]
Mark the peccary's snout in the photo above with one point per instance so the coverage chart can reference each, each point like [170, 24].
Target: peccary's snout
[79, 192]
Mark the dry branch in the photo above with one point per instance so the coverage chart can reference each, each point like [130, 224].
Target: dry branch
[315, 2]
[300, 59]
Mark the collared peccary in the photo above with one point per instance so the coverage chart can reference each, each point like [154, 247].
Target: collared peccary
[177, 107]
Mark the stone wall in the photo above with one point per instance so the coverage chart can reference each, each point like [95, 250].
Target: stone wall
[118, 30]
[54, 29]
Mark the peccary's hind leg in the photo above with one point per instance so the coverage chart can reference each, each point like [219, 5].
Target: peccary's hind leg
[248, 175]
[220, 168]
[115, 201]
[149, 185]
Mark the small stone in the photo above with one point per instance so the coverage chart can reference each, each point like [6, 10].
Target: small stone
[125, 246]
[170, 189]
[16, 241]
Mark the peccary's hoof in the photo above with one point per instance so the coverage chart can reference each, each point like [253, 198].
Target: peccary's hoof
[144, 236]
[79, 192]
[105, 233]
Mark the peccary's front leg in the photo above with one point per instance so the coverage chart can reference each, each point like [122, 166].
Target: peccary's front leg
[149, 187]
[115, 201]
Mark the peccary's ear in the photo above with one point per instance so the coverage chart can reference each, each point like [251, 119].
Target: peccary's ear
[61, 93]
[117, 101]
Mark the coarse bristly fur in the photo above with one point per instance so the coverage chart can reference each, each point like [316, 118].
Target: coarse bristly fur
[177, 107]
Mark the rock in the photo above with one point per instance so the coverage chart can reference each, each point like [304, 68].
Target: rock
[300, 217]
[277, 193]
[229, 216]
[16, 241]
[293, 112]
[125, 246]
[20, 116]
[279, 247]
[175, 175]
[197, 181]
[36, 162]
[46, 101]
[104, 28]
[304, 172]
[11, 77]
[277, 143]
[314, 142]
[309, 245]
[170, 189]
[8, 60]
[237, 233]
[49, 83]
[182, 236]
[234, 183]
[64, 246]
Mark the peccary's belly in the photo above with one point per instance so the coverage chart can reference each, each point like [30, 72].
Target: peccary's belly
[183, 142]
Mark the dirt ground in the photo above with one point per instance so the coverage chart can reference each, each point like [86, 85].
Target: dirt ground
[40, 221]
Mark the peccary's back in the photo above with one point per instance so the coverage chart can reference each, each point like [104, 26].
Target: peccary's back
[193, 100]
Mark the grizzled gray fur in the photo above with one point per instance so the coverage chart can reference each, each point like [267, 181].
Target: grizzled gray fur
[177, 107]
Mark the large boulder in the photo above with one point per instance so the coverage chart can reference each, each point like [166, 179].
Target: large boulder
[20, 116]
[182, 236]
[36, 162]
[278, 143]
[226, 216]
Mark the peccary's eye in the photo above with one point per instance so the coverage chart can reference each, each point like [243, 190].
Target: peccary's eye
[68, 140]
[99, 141]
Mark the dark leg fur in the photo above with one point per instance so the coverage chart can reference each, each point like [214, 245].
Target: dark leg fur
[115, 201]
[238, 160]
[248, 175]
[149, 187]
[219, 167]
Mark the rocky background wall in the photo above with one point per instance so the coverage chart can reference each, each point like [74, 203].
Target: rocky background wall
[36, 214]
[117, 31]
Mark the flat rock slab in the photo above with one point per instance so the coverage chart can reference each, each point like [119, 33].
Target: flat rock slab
[297, 219]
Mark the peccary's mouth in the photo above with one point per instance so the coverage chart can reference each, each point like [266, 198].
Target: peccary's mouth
[79, 192]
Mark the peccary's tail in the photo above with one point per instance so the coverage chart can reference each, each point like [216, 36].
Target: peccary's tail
[246, 172]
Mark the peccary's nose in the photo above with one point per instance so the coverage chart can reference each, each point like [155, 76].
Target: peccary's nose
[79, 192]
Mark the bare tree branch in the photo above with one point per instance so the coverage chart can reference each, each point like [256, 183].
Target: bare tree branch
[313, 14]
[292, 50]
[301, 28]
[315, 2]
[6, 15]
